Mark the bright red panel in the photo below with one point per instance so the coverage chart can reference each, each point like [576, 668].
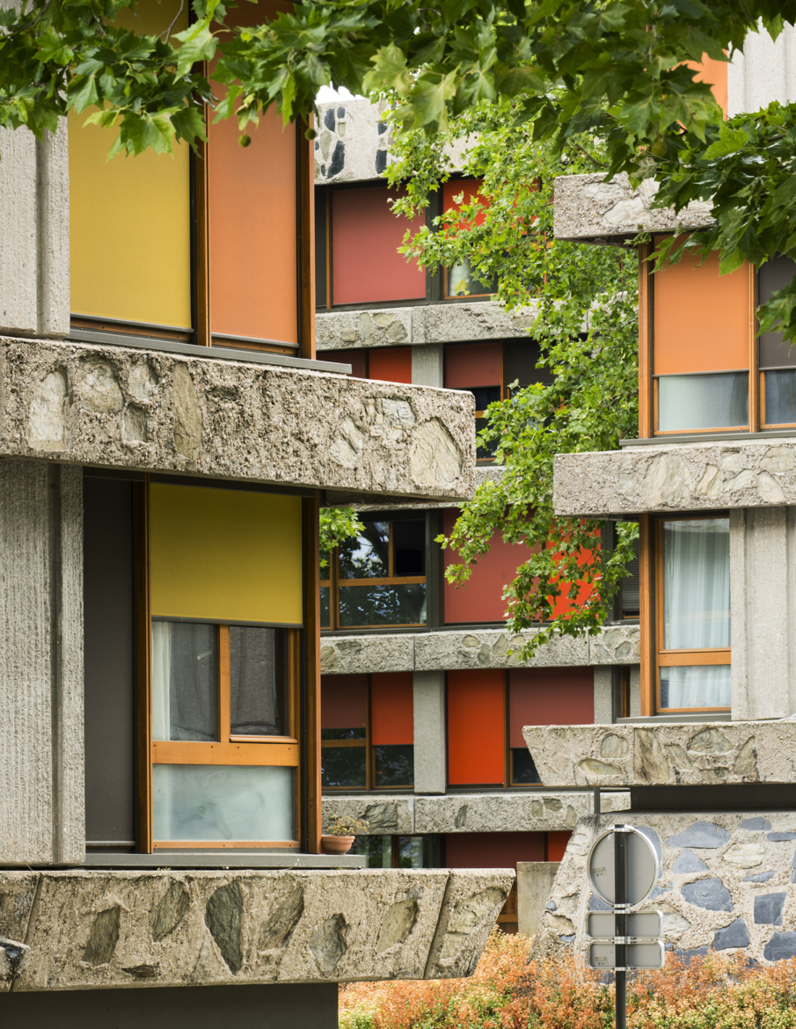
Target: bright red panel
[475, 728]
[392, 708]
[344, 701]
[493, 850]
[556, 845]
[469, 189]
[481, 598]
[390, 364]
[473, 364]
[358, 359]
[549, 696]
[366, 265]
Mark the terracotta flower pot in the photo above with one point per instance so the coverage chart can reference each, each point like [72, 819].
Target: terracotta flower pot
[337, 844]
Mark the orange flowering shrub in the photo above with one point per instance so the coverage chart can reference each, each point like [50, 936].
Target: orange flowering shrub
[509, 991]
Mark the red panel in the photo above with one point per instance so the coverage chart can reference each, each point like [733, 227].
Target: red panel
[475, 728]
[556, 845]
[390, 364]
[473, 364]
[493, 850]
[392, 708]
[481, 599]
[470, 188]
[344, 701]
[549, 696]
[366, 265]
[358, 359]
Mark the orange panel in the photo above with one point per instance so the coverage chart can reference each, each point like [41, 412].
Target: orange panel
[481, 599]
[390, 364]
[344, 701]
[715, 74]
[556, 845]
[470, 190]
[473, 364]
[494, 849]
[700, 319]
[549, 696]
[475, 728]
[392, 708]
[252, 215]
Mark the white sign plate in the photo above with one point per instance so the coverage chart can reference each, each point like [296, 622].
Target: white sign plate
[641, 861]
[601, 925]
[638, 956]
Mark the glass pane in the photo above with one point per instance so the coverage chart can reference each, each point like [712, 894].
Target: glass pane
[256, 681]
[394, 764]
[696, 583]
[780, 397]
[343, 767]
[410, 852]
[376, 849]
[462, 281]
[523, 769]
[696, 686]
[218, 802]
[687, 402]
[184, 681]
[409, 547]
[383, 605]
[367, 555]
[484, 396]
[326, 617]
[484, 451]
[343, 734]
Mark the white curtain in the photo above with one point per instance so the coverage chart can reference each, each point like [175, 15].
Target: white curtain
[161, 676]
[715, 401]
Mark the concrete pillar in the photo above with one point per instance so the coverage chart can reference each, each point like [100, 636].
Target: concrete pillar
[534, 883]
[42, 802]
[765, 71]
[635, 691]
[34, 233]
[763, 605]
[427, 365]
[430, 742]
[603, 695]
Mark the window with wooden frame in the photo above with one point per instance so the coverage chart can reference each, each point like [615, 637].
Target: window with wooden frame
[460, 280]
[692, 614]
[400, 851]
[776, 358]
[367, 731]
[378, 577]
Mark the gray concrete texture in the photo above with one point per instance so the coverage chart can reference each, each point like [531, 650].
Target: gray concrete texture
[763, 72]
[454, 649]
[430, 732]
[115, 407]
[101, 930]
[495, 812]
[421, 325]
[676, 477]
[34, 233]
[726, 883]
[534, 883]
[664, 754]
[41, 655]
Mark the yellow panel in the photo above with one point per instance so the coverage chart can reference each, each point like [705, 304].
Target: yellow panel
[225, 554]
[130, 234]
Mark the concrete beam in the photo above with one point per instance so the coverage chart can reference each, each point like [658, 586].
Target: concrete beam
[118, 407]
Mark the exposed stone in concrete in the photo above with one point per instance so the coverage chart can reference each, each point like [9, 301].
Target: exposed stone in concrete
[745, 855]
[278, 927]
[702, 836]
[233, 420]
[466, 921]
[735, 935]
[587, 208]
[761, 877]
[780, 947]
[687, 863]
[222, 918]
[170, 911]
[768, 908]
[674, 477]
[12, 959]
[384, 816]
[103, 938]
[781, 837]
[756, 823]
[398, 923]
[662, 753]
[328, 943]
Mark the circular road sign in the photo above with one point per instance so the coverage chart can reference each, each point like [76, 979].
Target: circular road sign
[641, 866]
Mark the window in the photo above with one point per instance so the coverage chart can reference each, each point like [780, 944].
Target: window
[399, 851]
[692, 604]
[367, 731]
[776, 359]
[377, 578]
[460, 279]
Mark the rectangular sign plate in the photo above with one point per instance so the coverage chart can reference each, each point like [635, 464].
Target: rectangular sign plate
[601, 925]
[638, 956]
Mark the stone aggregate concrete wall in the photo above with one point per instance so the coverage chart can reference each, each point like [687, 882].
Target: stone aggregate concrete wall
[455, 649]
[116, 407]
[727, 884]
[99, 929]
[589, 209]
[423, 324]
[664, 754]
[676, 477]
[537, 811]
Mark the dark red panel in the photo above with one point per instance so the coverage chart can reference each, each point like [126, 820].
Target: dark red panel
[390, 364]
[475, 728]
[392, 708]
[473, 364]
[344, 701]
[556, 845]
[469, 189]
[358, 359]
[481, 598]
[493, 850]
[549, 696]
[366, 265]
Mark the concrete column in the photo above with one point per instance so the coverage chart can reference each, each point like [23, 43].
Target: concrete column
[427, 365]
[763, 606]
[635, 691]
[765, 71]
[34, 233]
[430, 743]
[534, 883]
[42, 802]
[603, 695]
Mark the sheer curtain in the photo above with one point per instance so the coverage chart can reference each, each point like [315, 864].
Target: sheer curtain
[161, 676]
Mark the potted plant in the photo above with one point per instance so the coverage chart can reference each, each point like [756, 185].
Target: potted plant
[341, 833]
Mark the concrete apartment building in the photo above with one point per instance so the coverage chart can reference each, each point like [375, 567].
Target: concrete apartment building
[167, 438]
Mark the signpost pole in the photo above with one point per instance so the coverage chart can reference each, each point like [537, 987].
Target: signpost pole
[620, 844]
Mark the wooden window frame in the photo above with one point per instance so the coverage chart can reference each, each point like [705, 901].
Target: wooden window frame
[653, 655]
